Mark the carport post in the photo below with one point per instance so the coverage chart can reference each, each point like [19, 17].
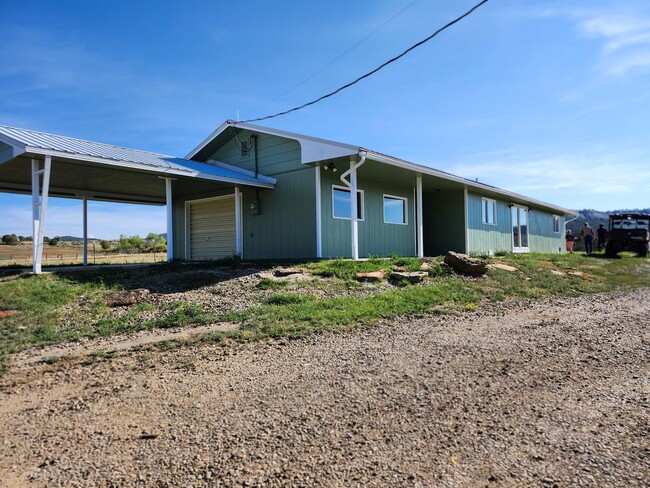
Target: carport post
[170, 231]
[420, 223]
[238, 246]
[39, 209]
[85, 236]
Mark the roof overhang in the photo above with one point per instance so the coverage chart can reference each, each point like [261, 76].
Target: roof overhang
[484, 189]
[312, 149]
[78, 176]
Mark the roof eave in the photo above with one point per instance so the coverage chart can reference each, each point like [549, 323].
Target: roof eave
[382, 158]
[149, 168]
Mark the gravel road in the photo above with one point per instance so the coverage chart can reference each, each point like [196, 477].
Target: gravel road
[552, 393]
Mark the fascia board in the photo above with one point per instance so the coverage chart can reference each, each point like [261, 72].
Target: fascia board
[207, 140]
[146, 167]
[243, 171]
[463, 181]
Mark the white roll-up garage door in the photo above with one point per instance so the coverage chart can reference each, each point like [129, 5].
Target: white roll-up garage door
[212, 228]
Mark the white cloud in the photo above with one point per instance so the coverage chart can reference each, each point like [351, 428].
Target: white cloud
[602, 180]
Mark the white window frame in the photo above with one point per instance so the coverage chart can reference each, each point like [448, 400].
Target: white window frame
[556, 220]
[484, 213]
[406, 209]
[360, 208]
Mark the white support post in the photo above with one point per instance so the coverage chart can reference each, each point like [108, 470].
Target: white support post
[39, 209]
[354, 211]
[319, 223]
[85, 231]
[420, 222]
[238, 240]
[36, 215]
[170, 230]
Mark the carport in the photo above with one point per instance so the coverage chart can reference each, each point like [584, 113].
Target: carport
[48, 165]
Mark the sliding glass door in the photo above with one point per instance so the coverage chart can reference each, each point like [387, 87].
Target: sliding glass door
[519, 228]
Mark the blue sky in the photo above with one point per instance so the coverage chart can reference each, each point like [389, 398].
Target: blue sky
[548, 98]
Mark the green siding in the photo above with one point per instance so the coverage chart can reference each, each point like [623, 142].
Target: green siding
[286, 224]
[484, 238]
[444, 222]
[487, 238]
[285, 227]
[542, 238]
[275, 154]
[375, 237]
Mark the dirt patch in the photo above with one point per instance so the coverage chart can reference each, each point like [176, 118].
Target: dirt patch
[551, 393]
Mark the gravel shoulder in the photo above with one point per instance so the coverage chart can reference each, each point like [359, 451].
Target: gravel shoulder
[549, 393]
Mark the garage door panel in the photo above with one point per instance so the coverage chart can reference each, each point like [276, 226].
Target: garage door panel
[212, 229]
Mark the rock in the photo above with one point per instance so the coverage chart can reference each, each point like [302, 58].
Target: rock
[372, 276]
[462, 263]
[127, 297]
[425, 267]
[504, 267]
[412, 276]
[556, 272]
[287, 271]
[6, 313]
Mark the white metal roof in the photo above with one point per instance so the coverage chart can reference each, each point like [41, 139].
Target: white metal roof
[34, 142]
[315, 149]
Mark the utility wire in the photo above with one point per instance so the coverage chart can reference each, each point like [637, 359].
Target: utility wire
[370, 73]
[337, 58]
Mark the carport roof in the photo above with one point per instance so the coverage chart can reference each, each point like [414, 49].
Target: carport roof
[24, 142]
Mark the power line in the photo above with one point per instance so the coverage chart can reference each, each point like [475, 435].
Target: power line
[337, 58]
[370, 73]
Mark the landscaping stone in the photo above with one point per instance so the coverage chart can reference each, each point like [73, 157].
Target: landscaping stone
[372, 275]
[288, 271]
[425, 266]
[412, 276]
[462, 263]
[504, 267]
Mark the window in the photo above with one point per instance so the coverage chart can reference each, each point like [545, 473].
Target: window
[556, 223]
[341, 204]
[489, 211]
[394, 210]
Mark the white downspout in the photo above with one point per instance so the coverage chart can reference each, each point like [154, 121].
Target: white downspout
[352, 185]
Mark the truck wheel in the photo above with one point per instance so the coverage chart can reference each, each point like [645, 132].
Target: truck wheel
[611, 250]
[643, 250]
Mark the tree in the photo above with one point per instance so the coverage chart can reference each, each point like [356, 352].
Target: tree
[10, 239]
[54, 241]
[106, 245]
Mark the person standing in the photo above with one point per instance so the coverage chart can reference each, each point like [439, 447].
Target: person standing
[587, 235]
[601, 233]
[569, 237]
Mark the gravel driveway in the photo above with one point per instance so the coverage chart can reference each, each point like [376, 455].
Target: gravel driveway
[552, 393]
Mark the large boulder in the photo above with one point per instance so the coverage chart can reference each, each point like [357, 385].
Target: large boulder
[462, 263]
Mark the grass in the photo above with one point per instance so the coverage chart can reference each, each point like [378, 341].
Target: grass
[41, 302]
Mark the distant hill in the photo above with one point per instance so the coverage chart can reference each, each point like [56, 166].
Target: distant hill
[73, 239]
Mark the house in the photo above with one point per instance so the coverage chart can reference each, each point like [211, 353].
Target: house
[264, 193]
